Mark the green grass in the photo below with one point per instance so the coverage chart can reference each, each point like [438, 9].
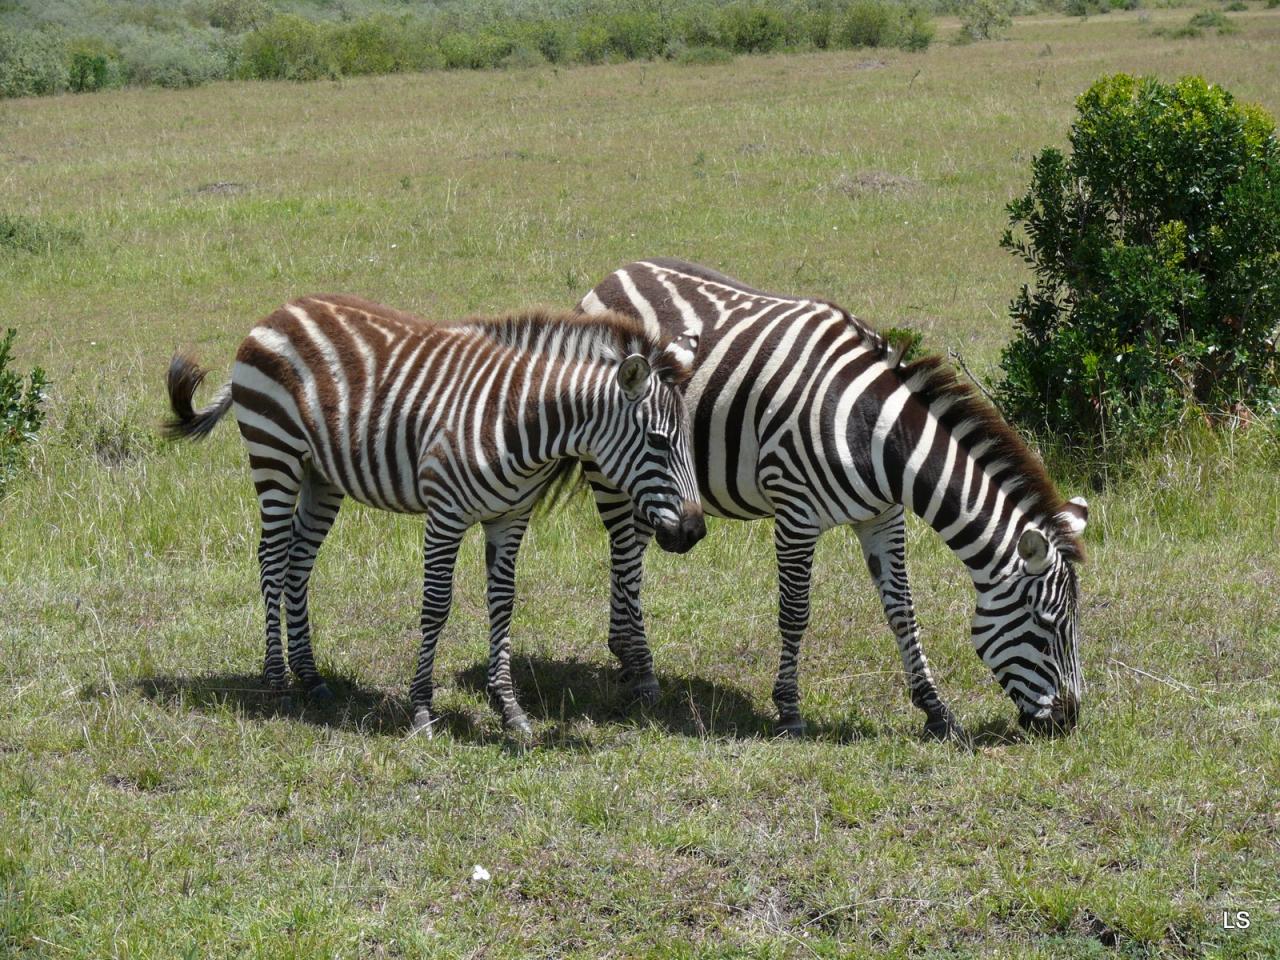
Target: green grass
[154, 803]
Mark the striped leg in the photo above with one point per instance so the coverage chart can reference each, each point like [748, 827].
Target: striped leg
[276, 480]
[628, 538]
[794, 540]
[317, 509]
[502, 542]
[440, 552]
[884, 541]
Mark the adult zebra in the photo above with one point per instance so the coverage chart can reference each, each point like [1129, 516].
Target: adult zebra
[803, 413]
[336, 396]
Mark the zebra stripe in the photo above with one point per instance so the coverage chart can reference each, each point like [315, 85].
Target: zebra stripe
[803, 413]
[468, 423]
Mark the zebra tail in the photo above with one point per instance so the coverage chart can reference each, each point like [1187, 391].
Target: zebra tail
[187, 423]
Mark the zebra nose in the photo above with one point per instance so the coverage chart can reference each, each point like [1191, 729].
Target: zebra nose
[693, 526]
[679, 535]
[1066, 710]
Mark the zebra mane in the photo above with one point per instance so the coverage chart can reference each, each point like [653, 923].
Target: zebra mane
[957, 403]
[608, 337]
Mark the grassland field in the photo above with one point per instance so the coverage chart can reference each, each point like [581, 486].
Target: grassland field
[154, 802]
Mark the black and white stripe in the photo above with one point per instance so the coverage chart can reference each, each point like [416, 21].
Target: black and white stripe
[802, 413]
[468, 423]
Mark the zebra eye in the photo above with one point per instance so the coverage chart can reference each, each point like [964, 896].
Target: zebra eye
[659, 442]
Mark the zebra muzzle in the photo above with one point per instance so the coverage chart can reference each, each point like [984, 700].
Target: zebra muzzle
[1062, 717]
[680, 535]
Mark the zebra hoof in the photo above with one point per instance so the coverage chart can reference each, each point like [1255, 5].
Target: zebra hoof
[944, 729]
[422, 722]
[647, 691]
[519, 726]
[792, 727]
[320, 695]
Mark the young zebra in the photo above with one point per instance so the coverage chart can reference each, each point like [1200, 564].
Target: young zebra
[802, 413]
[468, 423]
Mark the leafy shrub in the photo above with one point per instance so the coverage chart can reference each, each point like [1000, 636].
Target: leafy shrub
[984, 20]
[553, 39]
[635, 34]
[917, 31]
[237, 16]
[869, 23]
[31, 64]
[287, 47]
[475, 51]
[820, 28]
[753, 28]
[1236, 6]
[90, 68]
[1211, 20]
[593, 43]
[1156, 246]
[373, 45]
[21, 413]
[158, 60]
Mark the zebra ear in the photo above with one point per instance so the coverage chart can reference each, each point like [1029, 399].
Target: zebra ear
[633, 376]
[1075, 514]
[1033, 548]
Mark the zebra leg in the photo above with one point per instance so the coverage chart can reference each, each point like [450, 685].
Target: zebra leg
[884, 540]
[277, 481]
[628, 537]
[317, 509]
[440, 552]
[794, 540]
[502, 542]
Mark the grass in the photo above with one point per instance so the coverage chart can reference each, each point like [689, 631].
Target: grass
[157, 804]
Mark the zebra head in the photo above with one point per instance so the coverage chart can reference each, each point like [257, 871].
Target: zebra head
[1027, 625]
[647, 455]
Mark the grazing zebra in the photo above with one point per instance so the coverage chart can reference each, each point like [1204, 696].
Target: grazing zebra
[468, 423]
[802, 413]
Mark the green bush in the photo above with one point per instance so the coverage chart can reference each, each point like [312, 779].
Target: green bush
[869, 23]
[593, 43]
[1211, 20]
[1156, 248]
[237, 16]
[373, 45]
[162, 61]
[1236, 6]
[21, 413]
[31, 64]
[917, 31]
[984, 20]
[635, 34]
[89, 71]
[287, 47]
[820, 28]
[553, 39]
[753, 28]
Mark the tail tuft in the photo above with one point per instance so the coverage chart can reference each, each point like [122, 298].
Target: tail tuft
[185, 375]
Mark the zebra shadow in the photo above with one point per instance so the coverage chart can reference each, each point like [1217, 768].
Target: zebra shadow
[565, 693]
[560, 694]
[355, 706]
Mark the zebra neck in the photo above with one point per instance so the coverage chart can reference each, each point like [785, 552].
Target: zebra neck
[566, 417]
[972, 501]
